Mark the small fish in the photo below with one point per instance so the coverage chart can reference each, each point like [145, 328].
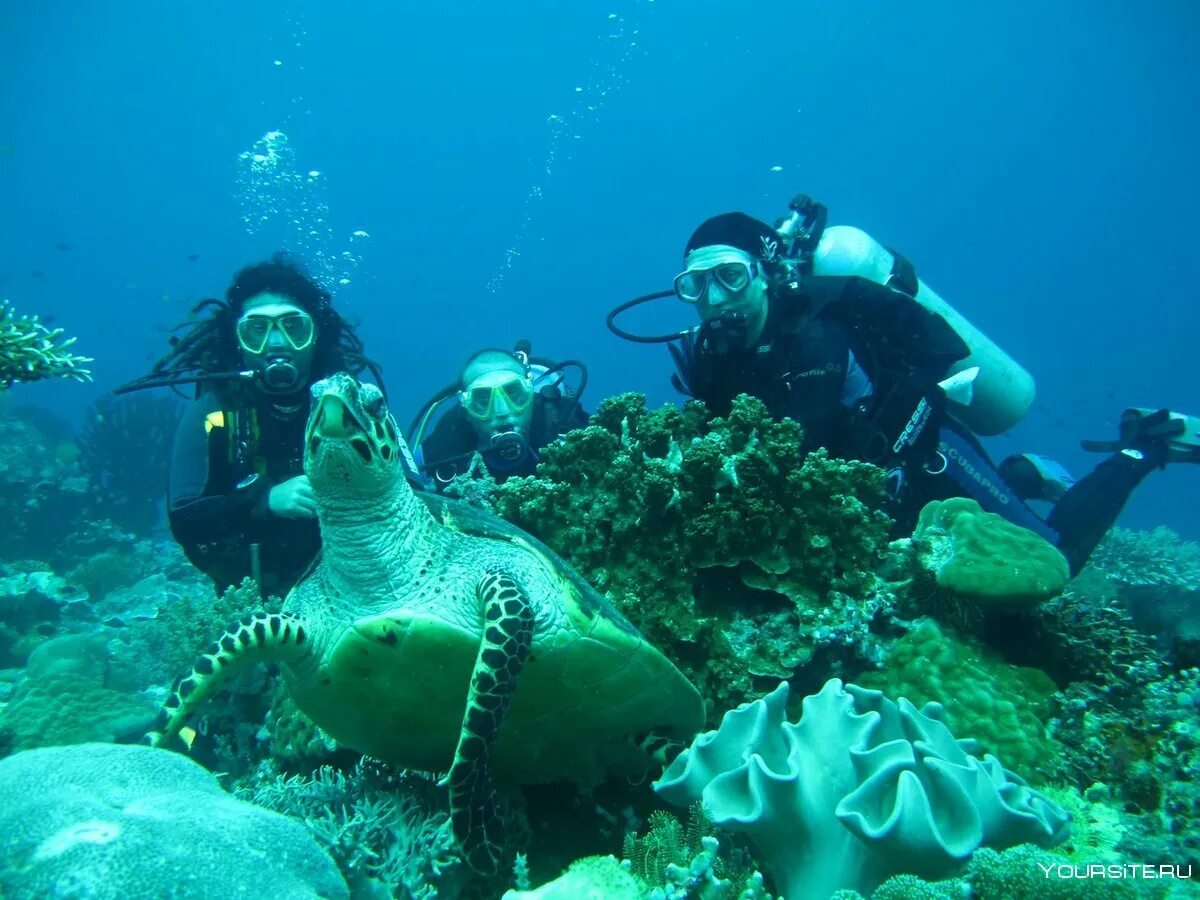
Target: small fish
[63, 246]
[192, 257]
[188, 735]
[38, 273]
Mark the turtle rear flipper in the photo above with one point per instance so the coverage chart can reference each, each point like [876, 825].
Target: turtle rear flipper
[260, 637]
[475, 811]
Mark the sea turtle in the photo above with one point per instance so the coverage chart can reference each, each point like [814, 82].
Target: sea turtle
[424, 628]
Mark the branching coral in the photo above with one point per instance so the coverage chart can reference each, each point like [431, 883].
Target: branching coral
[384, 830]
[1157, 578]
[725, 547]
[29, 351]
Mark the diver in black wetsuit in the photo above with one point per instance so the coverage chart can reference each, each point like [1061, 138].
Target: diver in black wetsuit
[507, 407]
[864, 368]
[238, 501]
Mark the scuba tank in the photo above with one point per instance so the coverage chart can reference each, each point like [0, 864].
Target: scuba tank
[1003, 390]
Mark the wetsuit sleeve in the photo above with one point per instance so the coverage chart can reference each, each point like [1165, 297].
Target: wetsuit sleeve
[203, 502]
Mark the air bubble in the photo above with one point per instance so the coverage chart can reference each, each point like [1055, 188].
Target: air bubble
[276, 193]
[611, 55]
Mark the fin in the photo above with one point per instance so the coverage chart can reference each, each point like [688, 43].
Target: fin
[475, 811]
[1034, 477]
[256, 638]
[1141, 427]
[960, 387]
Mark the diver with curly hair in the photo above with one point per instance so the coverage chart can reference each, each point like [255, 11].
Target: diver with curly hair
[238, 500]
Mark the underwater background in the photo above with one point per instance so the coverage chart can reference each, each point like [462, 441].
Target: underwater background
[467, 174]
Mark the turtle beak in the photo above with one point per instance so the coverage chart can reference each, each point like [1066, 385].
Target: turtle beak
[333, 419]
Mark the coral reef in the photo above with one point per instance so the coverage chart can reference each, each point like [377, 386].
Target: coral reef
[386, 831]
[859, 789]
[674, 860]
[125, 448]
[1003, 707]
[108, 821]
[725, 549]
[29, 351]
[1156, 576]
[32, 604]
[1014, 874]
[664, 865]
[67, 697]
[985, 557]
[43, 492]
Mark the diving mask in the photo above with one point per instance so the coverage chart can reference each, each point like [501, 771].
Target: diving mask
[254, 330]
[497, 393]
[734, 276]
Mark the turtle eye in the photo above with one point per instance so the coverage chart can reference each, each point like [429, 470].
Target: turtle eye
[373, 403]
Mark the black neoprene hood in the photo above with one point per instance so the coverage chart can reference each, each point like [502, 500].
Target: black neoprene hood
[734, 229]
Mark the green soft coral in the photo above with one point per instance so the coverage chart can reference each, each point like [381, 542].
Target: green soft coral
[1002, 706]
[713, 535]
[982, 556]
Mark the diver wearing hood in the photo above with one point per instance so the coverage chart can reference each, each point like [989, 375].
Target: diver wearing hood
[507, 406]
[238, 500]
[874, 373]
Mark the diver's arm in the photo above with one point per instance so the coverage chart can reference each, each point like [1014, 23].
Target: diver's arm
[203, 506]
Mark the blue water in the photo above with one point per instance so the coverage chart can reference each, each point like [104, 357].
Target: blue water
[1035, 161]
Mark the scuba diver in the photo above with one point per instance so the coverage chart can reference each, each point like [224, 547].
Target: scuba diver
[829, 328]
[507, 406]
[238, 501]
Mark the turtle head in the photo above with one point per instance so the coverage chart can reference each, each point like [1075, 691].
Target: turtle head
[351, 444]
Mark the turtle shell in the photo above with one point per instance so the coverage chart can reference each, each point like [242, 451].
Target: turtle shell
[393, 684]
[467, 519]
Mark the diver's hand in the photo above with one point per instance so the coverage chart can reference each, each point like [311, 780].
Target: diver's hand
[293, 499]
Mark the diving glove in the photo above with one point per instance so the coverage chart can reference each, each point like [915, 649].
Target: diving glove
[1144, 429]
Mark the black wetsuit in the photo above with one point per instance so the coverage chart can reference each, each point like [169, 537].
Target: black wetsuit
[857, 365]
[449, 448]
[227, 457]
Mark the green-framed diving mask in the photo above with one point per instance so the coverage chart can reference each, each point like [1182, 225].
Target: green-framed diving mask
[254, 330]
[490, 395]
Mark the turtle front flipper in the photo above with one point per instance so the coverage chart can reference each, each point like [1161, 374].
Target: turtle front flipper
[260, 637]
[475, 811]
